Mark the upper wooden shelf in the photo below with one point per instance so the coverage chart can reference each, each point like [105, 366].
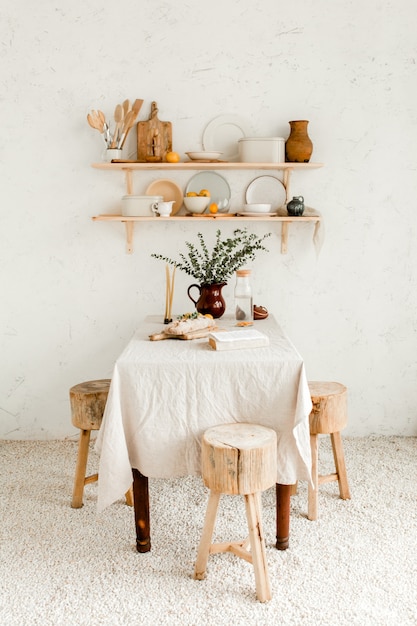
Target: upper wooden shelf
[196, 165]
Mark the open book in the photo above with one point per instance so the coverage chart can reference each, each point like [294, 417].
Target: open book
[237, 339]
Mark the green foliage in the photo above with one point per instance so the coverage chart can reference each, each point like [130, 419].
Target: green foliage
[227, 256]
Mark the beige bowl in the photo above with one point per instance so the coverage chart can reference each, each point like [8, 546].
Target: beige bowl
[196, 204]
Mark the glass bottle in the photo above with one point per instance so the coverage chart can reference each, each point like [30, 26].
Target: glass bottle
[243, 297]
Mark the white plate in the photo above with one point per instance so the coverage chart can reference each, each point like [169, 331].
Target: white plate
[223, 133]
[169, 191]
[217, 186]
[248, 214]
[266, 189]
[265, 207]
[203, 156]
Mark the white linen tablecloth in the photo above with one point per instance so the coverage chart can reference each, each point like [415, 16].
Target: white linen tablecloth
[165, 394]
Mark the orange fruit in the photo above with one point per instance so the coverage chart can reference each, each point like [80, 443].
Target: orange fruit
[191, 194]
[204, 192]
[213, 208]
[172, 157]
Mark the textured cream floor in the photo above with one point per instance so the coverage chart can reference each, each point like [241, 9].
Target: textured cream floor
[357, 565]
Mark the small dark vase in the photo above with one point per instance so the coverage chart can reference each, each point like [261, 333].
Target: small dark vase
[298, 147]
[210, 299]
[296, 206]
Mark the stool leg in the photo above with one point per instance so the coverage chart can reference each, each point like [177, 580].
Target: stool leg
[80, 470]
[257, 546]
[339, 461]
[313, 490]
[283, 506]
[205, 542]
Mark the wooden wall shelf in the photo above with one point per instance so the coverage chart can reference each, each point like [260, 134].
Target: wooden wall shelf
[130, 223]
[129, 167]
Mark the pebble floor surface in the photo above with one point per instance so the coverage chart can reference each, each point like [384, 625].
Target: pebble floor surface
[356, 565]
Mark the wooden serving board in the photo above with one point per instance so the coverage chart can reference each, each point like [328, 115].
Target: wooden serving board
[154, 137]
[195, 334]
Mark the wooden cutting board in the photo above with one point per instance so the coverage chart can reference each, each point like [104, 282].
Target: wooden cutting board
[196, 334]
[154, 137]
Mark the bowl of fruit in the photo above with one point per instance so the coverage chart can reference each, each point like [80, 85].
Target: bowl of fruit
[197, 202]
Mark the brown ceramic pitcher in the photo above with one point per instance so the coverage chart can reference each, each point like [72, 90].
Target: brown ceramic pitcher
[210, 299]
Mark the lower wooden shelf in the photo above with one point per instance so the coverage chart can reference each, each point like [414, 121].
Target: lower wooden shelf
[285, 220]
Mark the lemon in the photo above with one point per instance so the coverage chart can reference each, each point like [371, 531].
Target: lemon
[204, 192]
[213, 208]
[191, 194]
[172, 157]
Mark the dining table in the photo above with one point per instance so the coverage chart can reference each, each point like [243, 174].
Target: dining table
[165, 394]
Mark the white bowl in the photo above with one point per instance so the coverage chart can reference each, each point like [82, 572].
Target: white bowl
[196, 204]
[203, 156]
[257, 208]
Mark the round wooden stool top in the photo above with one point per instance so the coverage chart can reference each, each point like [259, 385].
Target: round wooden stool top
[329, 413]
[88, 401]
[239, 458]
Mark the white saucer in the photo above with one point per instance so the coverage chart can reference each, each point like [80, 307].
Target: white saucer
[247, 214]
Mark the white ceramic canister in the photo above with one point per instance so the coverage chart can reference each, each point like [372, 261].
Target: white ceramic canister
[262, 150]
[139, 206]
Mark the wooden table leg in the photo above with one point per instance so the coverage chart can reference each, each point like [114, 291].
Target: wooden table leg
[141, 504]
[283, 493]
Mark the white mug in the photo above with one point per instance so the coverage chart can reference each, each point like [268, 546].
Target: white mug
[163, 208]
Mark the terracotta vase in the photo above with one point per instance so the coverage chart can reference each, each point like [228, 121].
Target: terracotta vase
[298, 147]
[210, 299]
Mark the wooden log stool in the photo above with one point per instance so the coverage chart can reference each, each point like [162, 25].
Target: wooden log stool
[88, 401]
[328, 416]
[238, 459]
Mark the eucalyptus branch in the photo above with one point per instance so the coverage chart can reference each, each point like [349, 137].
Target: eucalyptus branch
[227, 256]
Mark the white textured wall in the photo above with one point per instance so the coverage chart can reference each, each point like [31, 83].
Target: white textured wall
[71, 297]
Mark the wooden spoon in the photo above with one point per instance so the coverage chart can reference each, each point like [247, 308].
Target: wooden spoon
[118, 118]
[126, 107]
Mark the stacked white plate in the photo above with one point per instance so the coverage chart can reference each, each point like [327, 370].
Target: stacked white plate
[257, 208]
[266, 190]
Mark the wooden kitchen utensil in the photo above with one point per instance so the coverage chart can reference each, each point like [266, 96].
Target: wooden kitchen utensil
[93, 122]
[130, 120]
[126, 107]
[118, 118]
[154, 137]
